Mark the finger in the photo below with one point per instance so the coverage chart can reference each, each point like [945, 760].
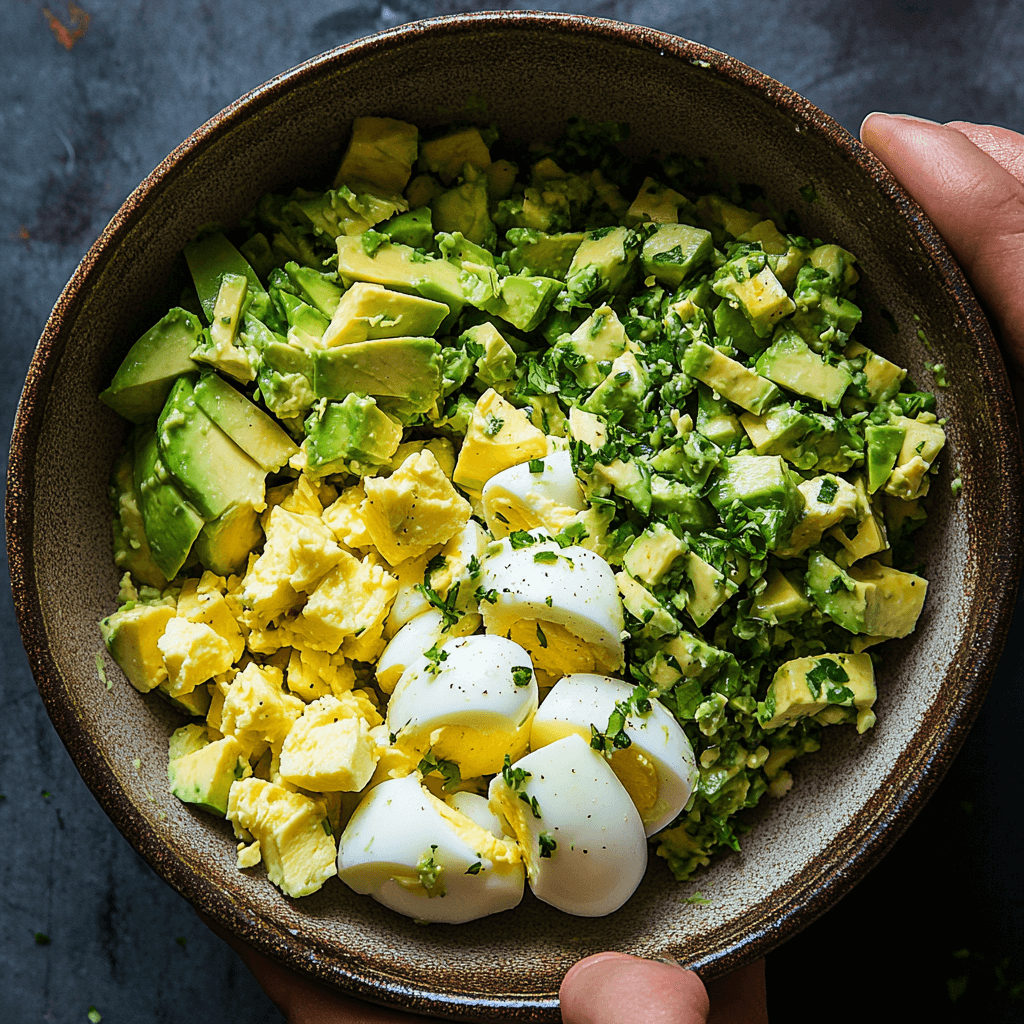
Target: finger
[1004, 146]
[740, 997]
[974, 201]
[613, 988]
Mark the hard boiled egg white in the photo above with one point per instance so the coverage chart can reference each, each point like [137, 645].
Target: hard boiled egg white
[472, 703]
[518, 498]
[582, 838]
[422, 858]
[658, 768]
[561, 604]
[415, 637]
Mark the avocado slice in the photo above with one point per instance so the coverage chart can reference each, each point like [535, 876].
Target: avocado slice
[623, 389]
[131, 635]
[884, 443]
[732, 380]
[766, 488]
[464, 209]
[414, 228]
[204, 777]
[354, 430]
[319, 290]
[790, 363]
[381, 151]
[674, 250]
[808, 686]
[224, 543]
[153, 363]
[246, 424]
[601, 264]
[209, 259]
[733, 328]
[524, 301]
[212, 471]
[131, 548]
[542, 254]
[171, 523]
[367, 312]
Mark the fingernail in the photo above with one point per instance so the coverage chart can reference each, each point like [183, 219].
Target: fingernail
[667, 960]
[903, 117]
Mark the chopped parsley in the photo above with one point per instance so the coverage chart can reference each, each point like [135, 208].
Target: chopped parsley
[697, 898]
[436, 658]
[829, 490]
[436, 564]
[541, 637]
[493, 425]
[515, 778]
[521, 675]
[547, 844]
[536, 465]
[445, 605]
[490, 596]
[548, 557]
[474, 566]
[521, 539]
[430, 874]
[531, 802]
[42, 939]
[448, 770]
[474, 869]
[614, 736]
[826, 676]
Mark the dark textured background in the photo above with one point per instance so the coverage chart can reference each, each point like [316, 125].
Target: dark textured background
[79, 128]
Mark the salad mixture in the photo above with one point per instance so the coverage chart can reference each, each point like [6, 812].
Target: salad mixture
[501, 511]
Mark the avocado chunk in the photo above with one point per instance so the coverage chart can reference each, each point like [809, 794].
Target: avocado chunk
[212, 471]
[705, 590]
[355, 430]
[306, 324]
[523, 301]
[217, 346]
[196, 703]
[536, 252]
[630, 480]
[716, 212]
[131, 548]
[674, 250]
[319, 290]
[884, 444]
[790, 363]
[715, 420]
[623, 389]
[765, 488]
[495, 357]
[209, 259]
[882, 379]
[153, 363]
[921, 446]
[187, 740]
[224, 543]
[808, 440]
[204, 777]
[246, 424]
[446, 156]
[601, 264]
[868, 598]
[655, 203]
[171, 523]
[464, 209]
[414, 228]
[643, 605]
[600, 339]
[682, 499]
[367, 312]
[131, 635]
[733, 328]
[780, 601]
[809, 686]
[381, 151]
[747, 281]
[651, 555]
[405, 368]
[732, 380]
[404, 269]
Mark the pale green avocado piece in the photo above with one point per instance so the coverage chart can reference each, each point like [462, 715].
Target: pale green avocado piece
[131, 636]
[367, 312]
[195, 704]
[275, 351]
[448, 155]
[539, 253]
[497, 363]
[131, 547]
[153, 363]
[171, 523]
[809, 440]
[404, 269]
[601, 264]
[248, 426]
[631, 480]
[674, 250]
[204, 777]
[708, 589]
[760, 296]
[406, 368]
[732, 380]
[682, 499]
[882, 379]
[868, 597]
[217, 346]
[780, 601]
[187, 740]
[733, 328]
[624, 388]
[715, 420]
[306, 324]
[212, 471]
[716, 212]
[809, 686]
[414, 228]
[524, 301]
[884, 443]
[316, 288]
[464, 209]
[224, 543]
[790, 363]
[209, 259]
[600, 339]
[382, 151]
[354, 430]
[766, 487]
[656, 203]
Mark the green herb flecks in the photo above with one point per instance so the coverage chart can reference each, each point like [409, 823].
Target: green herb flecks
[547, 844]
[493, 425]
[826, 676]
[808, 193]
[448, 770]
[521, 675]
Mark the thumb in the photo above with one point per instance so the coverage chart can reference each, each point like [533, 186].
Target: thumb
[613, 988]
[972, 196]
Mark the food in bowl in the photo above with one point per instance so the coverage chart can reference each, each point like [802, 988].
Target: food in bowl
[534, 473]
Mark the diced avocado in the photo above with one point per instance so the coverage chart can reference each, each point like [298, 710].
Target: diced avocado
[780, 601]
[224, 543]
[643, 605]
[447, 155]
[209, 259]
[195, 703]
[524, 301]
[747, 281]
[685, 656]
[246, 424]
[732, 380]
[414, 228]
[630, 480]
[187, 740]
[867, 537]
[258, 254]
[868, 598]
[884, 444]
[501, 179]
[171, 523]
[624, 388]
[204, 776]
[153, 363]
[733, 328]
[547, 415]
[131, 636]
[464, 209]
[319, 290]
[656, 204]
[420, 191]
[382, 151]
[217, 346]
[766, 488]
[538, 253]
[808, 686]
[828, 500]
[809, 440]
[601, 264]
[715, 419]
[131, 547]
[600, 339]
[367, 312]
[496, 363]
[355, 430]
[212, 471]
[405, 368]
[705, 590]
[768, 236]
[882, 378]
[921, 446]
[674, 250]
[651, 555]
[714, 211]
[342, 211]
[404, 269]
[789, 362]
[682, 499]
[837, 263]
[903, 517]
[306, 324]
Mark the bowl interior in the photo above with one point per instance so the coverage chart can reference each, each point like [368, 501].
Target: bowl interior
[527, 75]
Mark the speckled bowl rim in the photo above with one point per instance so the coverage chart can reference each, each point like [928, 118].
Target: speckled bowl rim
[827, 878]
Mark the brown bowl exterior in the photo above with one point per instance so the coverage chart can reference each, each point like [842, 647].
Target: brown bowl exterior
[532, 71]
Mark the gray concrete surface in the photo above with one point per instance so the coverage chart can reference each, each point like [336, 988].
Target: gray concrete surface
[78, 129]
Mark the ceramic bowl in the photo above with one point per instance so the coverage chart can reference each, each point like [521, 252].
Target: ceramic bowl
[526, 73]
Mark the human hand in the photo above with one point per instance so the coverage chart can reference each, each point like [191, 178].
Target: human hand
[969, 179]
